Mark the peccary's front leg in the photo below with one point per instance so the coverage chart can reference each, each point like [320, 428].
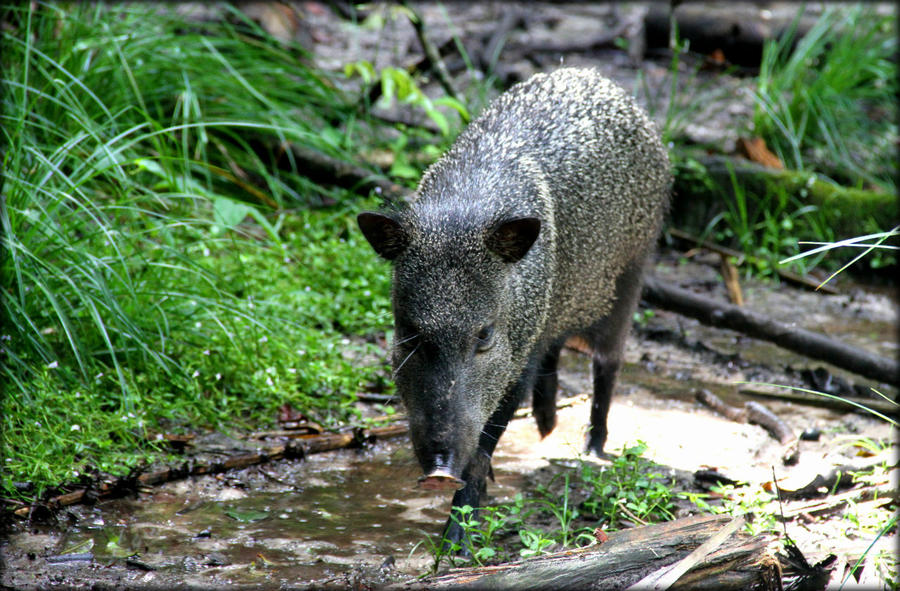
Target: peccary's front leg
[479, 468]
[543, 396]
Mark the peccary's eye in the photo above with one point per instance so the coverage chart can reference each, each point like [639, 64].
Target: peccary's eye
[485, 337]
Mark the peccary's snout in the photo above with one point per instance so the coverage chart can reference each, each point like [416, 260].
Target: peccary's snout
[443, 428]
[441, 451]
[440, 461]
[443, 473]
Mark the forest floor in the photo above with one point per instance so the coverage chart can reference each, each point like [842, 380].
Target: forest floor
[354, 517]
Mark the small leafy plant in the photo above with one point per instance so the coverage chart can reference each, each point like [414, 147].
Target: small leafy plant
[628, 489]
[560, 514]
[397, 82]
[480, 533]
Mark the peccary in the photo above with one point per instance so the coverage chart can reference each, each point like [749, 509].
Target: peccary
[533, 227]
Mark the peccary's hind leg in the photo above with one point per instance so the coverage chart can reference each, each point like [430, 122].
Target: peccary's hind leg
[479, 468]
[607, 338]
[605, 369]
[543, 395]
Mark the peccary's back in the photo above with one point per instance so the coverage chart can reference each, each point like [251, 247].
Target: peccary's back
[574, 148]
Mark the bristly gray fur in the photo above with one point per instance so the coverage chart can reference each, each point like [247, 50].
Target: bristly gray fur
[572, 148]
[534, 225]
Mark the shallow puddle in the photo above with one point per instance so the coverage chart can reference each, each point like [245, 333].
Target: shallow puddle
[286, 523]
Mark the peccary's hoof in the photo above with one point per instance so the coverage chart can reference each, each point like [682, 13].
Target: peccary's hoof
[546, 421]
[453, 540]
[439, 480]
[595, 448]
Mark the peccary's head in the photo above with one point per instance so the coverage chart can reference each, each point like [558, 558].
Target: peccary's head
[455, 337]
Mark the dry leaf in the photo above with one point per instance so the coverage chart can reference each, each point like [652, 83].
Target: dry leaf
[755, 149]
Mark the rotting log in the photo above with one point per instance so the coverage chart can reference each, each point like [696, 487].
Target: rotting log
[848, 211]
[759, 326]
[739, 30]
[738, 562]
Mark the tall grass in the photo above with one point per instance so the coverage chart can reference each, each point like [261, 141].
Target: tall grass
[827, 102]
[146, 172]
[126, 123]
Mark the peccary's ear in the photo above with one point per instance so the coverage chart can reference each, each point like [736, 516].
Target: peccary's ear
[384, 233]
[511, 239]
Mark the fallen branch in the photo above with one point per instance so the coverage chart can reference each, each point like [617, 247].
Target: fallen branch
[836, 479]
[431, 52]
[741, 562]
[843, 403]
[753, 412]
[756, 413]
[327, 170]
[765, 418]
[756, 325]
[870, 497]
[293, 449]
[300, 433]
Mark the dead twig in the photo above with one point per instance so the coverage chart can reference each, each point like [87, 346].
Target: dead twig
[444, 49]
[868, 496]
[740, 258]
[732, 283]
[431, 52]
[836, 479]
[490, 53]
[844, 403]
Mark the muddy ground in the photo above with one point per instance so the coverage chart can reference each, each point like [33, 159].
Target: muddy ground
[353, 518]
